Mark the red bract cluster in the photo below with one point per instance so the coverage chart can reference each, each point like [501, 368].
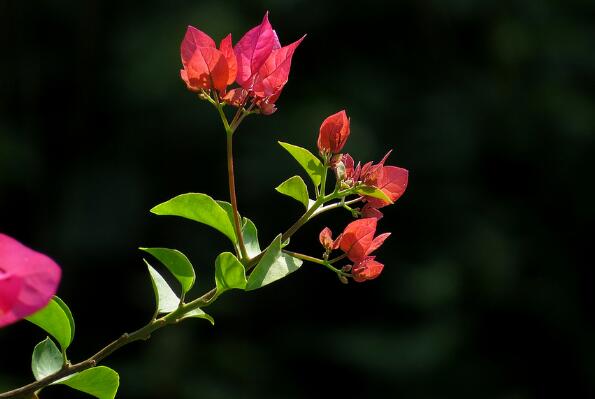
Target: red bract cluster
[28, 280]
[358, 242]
[258, 64]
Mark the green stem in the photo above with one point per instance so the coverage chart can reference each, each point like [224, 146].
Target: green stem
[316, 210]
[323, 178]
[240, 115]
[338, 258]
[340, 204]
[305, 257]
[236, 116]
[234, 201]
[221, 113]
[231, 180]
[303, 219]
[317, 261]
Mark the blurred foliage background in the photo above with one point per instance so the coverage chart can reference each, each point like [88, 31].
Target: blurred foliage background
[487, 290]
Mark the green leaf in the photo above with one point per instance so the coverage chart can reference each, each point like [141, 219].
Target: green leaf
[68, 314]
[167, 300]
[177, 263]
[229, 273]
[309, 162]
[373, 192]
[199, 314]
[248, 230]
[295, 187]
[56, 319]
[226, 206]
[101, 382]
[250, 238]
[273, 266]
[46, 360]
[200, 208]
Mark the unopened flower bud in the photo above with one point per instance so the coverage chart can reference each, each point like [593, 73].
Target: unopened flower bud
[346, 268]
[343, 279]
[334, 132]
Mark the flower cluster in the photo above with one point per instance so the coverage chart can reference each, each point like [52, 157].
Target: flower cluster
[357, 240]
[28, 280]
[257, 63]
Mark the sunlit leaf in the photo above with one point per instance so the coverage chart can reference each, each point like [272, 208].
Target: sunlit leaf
[373, 192]
[226, 206]
[307, 160]
[273, 266]
[200, 208]
[46, 360]
[229, 273]
[250, 238]
[101, 382]
[295, 187]
[166, 298]
[56, 319]
[199, 314]
[177, 263]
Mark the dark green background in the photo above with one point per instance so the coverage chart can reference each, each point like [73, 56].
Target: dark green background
[488, 286]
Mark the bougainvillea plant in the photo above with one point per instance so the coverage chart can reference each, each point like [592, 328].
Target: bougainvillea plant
[260, 67]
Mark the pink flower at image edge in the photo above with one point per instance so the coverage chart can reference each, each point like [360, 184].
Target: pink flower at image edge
[28, 280]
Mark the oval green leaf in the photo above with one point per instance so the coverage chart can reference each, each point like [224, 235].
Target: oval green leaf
[307, 160]
[229, 273]
[250, 238]
[56, 319]
[101, 382]
[199, 314]
[166, 299]
[273, 266]
[46, 360]
[177, 263]
[373, 192]
[295, 188]
[200, 208]
[226, 206]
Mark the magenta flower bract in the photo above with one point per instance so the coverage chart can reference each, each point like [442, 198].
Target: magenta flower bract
[28, 280]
